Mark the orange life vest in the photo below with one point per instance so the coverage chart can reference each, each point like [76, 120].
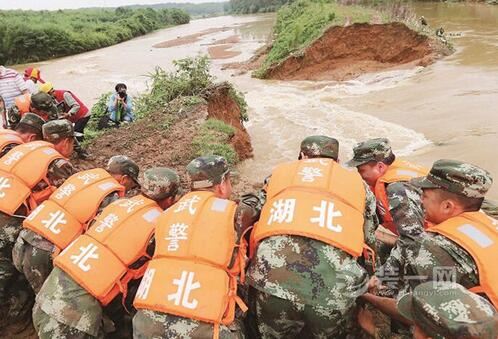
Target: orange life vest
[476, 233]
[190, 274]
[65, 215]
[100, 259]
[314, 198]
[399, 170]
[21, 169]
[23, 103]
[8, 137]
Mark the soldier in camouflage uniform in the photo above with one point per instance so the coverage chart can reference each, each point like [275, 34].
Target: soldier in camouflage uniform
[448, 310]
[209, 173]
[372, 158]
[302, 286]
[42, 105]
[33, 254]
[15, 293]
[63, 308]
[29, 129]
[463, 184]
[125, 171]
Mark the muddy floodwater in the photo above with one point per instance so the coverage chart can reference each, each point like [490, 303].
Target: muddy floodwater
[447, 110]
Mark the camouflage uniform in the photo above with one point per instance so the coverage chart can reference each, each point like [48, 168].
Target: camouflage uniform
[19, 294]
[63, 308]
[448, 310]
[41, 102]
[123, 165]
[304, 286]
[29, 119]
[405, 203]
[426, 254]
[420, 257]
[204, 173]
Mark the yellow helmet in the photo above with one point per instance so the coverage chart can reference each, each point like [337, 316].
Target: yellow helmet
[46, 87]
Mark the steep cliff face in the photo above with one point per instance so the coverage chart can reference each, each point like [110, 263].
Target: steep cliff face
[343, 53]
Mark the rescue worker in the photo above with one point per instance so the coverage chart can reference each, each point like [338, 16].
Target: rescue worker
[115, 249]
[29, 173]
[27, 130]
[304, 272]
[398, 202]
[190, 287]
[125, 171]
[462, 244]
[446, 309]
[399, 208]
[83, 196]
[71, 106]
[40, 104]
[32, 77]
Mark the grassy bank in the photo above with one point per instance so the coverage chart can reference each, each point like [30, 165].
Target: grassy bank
[27, 36]
[301, 22]
[171, 98]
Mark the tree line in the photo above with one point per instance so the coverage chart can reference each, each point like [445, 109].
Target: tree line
[256, 6]
[28, 36]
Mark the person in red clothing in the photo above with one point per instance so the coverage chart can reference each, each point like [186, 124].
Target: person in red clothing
[72, 108]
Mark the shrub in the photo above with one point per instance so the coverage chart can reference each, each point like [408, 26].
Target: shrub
[32, 36]
[190, 78]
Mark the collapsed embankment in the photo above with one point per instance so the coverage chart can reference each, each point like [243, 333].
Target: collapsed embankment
[343, 53]
[166, 138]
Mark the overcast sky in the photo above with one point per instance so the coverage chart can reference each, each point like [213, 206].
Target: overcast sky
[58, 4]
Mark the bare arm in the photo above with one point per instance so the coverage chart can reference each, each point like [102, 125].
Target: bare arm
[387, 306]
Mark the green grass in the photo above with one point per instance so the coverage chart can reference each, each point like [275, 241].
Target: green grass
[303, 21]
[213, 138]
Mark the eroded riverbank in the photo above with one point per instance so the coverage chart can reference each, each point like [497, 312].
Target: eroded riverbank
[446, 110]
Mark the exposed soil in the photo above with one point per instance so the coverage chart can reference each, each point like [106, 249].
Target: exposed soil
[253, 63]
[233, 39]
[188, 39]
[343, 53]
[221, 106]
[222, 52]
[150, 143]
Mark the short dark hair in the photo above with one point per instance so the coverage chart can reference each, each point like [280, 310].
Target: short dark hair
[468, 204]
[25, 128]
[390, 159]
[119, 86]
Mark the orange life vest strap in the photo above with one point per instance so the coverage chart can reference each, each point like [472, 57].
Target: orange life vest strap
[369, 254]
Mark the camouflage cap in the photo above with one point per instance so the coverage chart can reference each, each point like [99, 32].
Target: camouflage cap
[121, 164]
[320, 146]
[41, 101]
[57, 129]
[159, 183]
[457, 177]
[33, 120]
[447, 309]
[207, 171]
[44, 102]
[376, 149]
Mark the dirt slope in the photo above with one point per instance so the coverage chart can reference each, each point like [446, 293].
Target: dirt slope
[343, 53]
[151, 143]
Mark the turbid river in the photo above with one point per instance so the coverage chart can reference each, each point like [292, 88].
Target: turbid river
[447, 110]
